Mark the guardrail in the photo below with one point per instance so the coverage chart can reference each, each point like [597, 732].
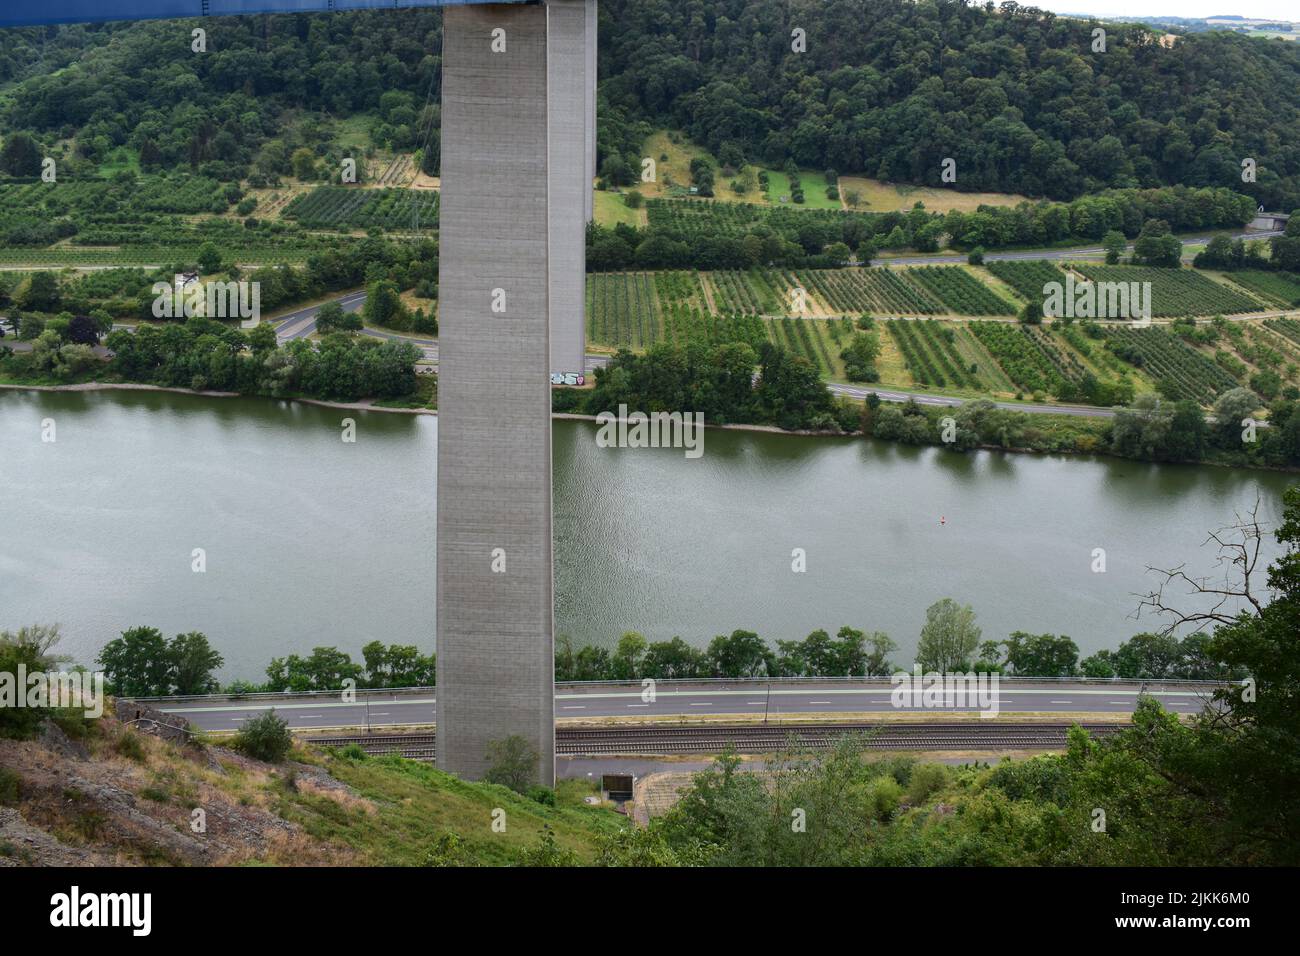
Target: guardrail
[705, 684]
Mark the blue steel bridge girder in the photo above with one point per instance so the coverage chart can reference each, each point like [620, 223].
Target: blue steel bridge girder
[18, 13]
[519, 133]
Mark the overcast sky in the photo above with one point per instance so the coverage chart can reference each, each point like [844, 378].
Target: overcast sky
[1251, 9]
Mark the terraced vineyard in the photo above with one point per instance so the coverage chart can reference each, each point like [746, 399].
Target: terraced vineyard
[752, 292]
[61, 256]
[1282, 288]
[803, 337]
[878, 289]
[930, 351]
[1179, 370]
[622, 309]
[684, 325]
[1068, 365]
[353, 207]
[1025, 359]
[690, 216]
[1027, 276]
[679, 288]
[959, 291]
[1177, 292]
[1289, 328]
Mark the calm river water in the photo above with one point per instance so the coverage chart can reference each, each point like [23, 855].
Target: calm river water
[312, 541]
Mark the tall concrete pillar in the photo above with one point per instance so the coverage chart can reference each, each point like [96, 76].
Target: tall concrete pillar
[570, 48]
[495, 627]
[591, 105]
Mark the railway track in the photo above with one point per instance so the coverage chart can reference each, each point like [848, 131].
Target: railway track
[659, 741]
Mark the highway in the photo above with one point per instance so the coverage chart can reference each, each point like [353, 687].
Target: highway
[380, 710]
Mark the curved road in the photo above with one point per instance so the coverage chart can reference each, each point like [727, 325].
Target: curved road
[301, 323]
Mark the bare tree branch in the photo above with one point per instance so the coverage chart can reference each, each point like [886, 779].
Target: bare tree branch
[1240, 546]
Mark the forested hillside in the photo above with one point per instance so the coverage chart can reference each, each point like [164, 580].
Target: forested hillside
[222, 112]
[888, 88]
[1015, 95]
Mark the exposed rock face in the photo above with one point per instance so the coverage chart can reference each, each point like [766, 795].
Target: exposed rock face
[22, 844]
[53, 738]
[123, 797]
[147, 720]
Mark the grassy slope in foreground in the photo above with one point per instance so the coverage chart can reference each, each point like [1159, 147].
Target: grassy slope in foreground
[127, 798]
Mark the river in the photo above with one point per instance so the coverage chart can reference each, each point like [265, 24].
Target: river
[309, 540]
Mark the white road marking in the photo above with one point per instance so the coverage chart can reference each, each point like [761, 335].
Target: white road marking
[638, 705]
[575, 707]
[819, 701]
[701, 705]
[1062, 702]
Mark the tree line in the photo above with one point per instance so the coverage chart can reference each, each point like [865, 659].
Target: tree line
[718, 381]
[821, 240]
[1151, 429]
[1232, 254]
[142, 662]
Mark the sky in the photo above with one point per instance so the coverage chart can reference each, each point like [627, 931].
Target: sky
[1251, 9]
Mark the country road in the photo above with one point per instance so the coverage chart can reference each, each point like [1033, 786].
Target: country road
[302, 323]
[388, 710]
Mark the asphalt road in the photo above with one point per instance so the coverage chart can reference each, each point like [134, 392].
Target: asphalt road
[380, 711]
[886, 395]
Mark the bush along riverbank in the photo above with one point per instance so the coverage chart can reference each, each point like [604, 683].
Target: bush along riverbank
[212, 358]
[787, 393]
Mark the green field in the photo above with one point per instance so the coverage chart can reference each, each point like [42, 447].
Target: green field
[356, 207]
[1027, 277]
[1179, 370]
[813, 185]
[1177, 292]
[1281, 288]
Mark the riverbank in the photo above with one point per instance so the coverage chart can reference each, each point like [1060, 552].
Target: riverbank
[371, 406]
[367, 406]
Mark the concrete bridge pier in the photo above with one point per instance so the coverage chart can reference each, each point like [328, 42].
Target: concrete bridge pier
[518, 147]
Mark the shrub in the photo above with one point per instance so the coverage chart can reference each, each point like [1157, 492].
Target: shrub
[128, 744]
[542, 795]
[10, 786]
[927, 780]
[448, 850]
[548, 852]
[265, 738]
[512, 763]
[883, 796]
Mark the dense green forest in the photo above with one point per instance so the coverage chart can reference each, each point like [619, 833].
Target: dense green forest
[1014, 95]
[223, 112]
